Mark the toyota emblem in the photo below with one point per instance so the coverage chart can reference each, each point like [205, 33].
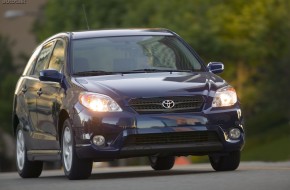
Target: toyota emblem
[168, 104]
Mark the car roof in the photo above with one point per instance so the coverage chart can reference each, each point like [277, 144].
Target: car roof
[121, 32]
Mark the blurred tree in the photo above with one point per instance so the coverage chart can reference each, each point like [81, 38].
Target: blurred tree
[7, 83]
[5, 56]
[68, 15]
[273, 106]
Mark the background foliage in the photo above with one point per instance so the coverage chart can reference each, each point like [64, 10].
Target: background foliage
[250, 37]
[7, 84]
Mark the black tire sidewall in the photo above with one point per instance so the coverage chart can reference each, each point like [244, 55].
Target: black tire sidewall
[226, 163]
[162, 163]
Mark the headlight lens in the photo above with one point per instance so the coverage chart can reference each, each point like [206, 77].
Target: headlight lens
[225, 97]
[98, 102]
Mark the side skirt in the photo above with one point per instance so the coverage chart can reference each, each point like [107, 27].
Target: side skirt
[44, 155]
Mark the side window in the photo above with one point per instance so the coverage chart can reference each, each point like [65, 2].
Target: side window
[43, 58]
[57, 58]
[30, 64]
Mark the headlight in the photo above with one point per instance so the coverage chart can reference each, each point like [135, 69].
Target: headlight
[98, 102]
[225, 97]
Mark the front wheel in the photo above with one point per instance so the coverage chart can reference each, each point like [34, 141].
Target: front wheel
[226, 163]
[162, 163]
[74, 168]
[25, 168]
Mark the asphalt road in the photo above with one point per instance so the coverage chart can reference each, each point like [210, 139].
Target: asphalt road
[249, 176]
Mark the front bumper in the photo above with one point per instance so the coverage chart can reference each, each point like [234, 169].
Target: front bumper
[160, 134]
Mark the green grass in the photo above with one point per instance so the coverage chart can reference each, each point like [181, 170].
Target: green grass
[274, 150]
[269, 145]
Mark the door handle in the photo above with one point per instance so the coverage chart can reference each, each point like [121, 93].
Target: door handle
[24, 89]
[39, 92]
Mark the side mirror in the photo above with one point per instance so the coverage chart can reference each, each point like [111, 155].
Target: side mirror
[50, 75]
[215, 67]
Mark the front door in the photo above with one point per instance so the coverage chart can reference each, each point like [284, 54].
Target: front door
[34, 91]
[49, 100]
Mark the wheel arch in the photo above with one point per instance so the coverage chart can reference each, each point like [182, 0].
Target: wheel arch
[15, 119]
[15, 123]
[63, 115]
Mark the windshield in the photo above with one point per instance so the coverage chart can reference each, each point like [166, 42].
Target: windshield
[132, 54]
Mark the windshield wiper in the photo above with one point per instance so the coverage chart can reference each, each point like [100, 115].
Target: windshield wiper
[99, 72]
[159, 70]
[93, 73]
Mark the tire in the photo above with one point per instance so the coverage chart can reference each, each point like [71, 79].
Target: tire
[25, 168]
[74, 168]
[226, 163]
[162, 163]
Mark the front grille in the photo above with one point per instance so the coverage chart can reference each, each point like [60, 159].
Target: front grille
[154, 105]
[171, 138]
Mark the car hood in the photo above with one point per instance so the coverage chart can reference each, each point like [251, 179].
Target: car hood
[160, 84]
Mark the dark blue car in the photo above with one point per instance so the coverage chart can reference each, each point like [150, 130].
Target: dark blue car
[102, 95]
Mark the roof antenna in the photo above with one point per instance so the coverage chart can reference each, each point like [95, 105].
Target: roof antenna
[85, 13]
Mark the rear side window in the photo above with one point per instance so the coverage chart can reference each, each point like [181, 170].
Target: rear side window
[43, 58]
[57, 57]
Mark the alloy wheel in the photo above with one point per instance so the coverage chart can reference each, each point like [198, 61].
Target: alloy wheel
[20, 150]
[67, 149]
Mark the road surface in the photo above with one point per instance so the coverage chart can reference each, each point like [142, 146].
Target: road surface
[249, 176]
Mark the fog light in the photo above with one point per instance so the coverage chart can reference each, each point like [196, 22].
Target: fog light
[234, 133]
[99, 140]
[86, 136]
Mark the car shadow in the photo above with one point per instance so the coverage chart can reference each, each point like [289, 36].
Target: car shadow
[134, 174]
[145, 173]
